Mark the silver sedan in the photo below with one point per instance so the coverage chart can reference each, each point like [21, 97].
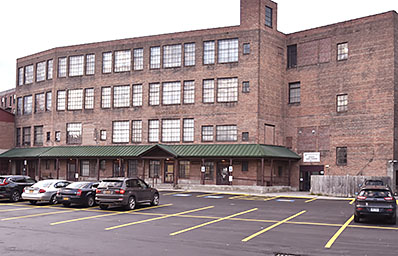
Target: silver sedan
[44, 191]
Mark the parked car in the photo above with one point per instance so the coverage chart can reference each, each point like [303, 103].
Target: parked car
[375, 200]
[82, 193]
[126, 192]
[11, 186]
[44, 191]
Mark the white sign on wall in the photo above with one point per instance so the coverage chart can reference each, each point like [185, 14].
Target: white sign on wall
[311, 157]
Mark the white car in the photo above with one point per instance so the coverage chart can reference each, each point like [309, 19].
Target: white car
[44, 191]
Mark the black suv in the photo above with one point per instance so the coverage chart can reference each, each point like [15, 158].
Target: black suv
[375, 200]
[126, 192]
[11, 186]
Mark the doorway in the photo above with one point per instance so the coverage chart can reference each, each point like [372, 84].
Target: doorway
[168, 172]
[306, 171]
[222, 174]
[71, 170]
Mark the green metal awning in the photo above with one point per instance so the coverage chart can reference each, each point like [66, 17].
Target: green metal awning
[24, 152]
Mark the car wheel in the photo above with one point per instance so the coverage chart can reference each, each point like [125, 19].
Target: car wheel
[155, 199]
[103, 206]
[15, 196]
[66, 204]
[53, 200]
[32, 202]
[357, 218]
[90, 201]
[131, 203]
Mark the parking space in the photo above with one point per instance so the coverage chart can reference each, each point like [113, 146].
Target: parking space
[234, 223]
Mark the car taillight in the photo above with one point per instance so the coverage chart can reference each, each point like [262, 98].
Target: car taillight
[388, 198]
[359, 208]
[79, 192]
[98, 191]
[42, 191]
[121, 191]
[4, 183]
[361, 197]
[389, 210]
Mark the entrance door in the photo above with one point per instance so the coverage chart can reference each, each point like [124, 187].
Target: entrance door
[168, 172]
[71, 171]
[305, 175]
[222, 174]
[32, 168]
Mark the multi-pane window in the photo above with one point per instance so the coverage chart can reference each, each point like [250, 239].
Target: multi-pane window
[138, 55]
[268, 16]
[122, 61]
[184, 169]
[209, 170]
[171, 93]
[89, 98]
[227, 90]
[341, 155]
[342, 103]
[29, 74]
[154, 94]
[90, 64]
[188, 130]
[85, 167]
[39, 102]
[103, 135]
[137, 95]
[172, 56]
[62, 67]
[41, 71]
[228, 50]
[50, 69]
[136, 131]
[105, 97]
[132, 168]
[189, 54]
[154, 57]
[26, 136]
[106, 62]
[75, 99]
[292, 56]
[57, 136]
[18, 137]
[19, 106]
[208, 91]
[342, 51]
[246, 48]
[246, 86]
[189, 92]
[121, 96]
[153, 130]
[48, 101]
[121, 132]
[154, 168]
[207, 133]
[38, 136]
[226, 133]
[61, 97]
[73, 133]
[209, 52]
[76, 65]
[27, 105]
[20, 76]
[171, 130]
[294, 92]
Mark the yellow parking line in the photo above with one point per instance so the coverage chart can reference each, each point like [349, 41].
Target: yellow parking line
[174, 193]
[39, 214]
[238, 196]
[211, 222]
[158, 218]
[331, 241]
[272, 198]
[313, 199]
[11, 210]
[108, 214]
[272, 226]
[352, 201]
[212, 194]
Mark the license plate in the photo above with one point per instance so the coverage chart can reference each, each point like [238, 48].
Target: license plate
[65, 198]
[30, 191]
[374, 209]
[107, 192]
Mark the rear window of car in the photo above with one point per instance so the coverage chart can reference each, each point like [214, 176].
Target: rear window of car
[373, 193]
[3, 179]
[43, 184]
[79, 185]
[111, 184]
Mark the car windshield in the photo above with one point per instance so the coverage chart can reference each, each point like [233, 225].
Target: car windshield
[375, 193]
[78, 185]
[43, 184]
[110, 184]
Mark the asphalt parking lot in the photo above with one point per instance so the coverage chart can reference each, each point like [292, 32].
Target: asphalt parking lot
[191, 224]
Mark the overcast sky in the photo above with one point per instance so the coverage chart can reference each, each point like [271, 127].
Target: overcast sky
[31, 26]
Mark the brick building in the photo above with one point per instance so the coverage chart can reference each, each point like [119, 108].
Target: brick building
[7, 136]
[7, 100]
[272, 108]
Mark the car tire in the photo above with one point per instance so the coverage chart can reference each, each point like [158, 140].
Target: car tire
[357, 219]
[90, 201]
[131, 203]
[66, 204]
[33, 202]
[155, 199]
[103, 206]
[53, 199]
[15, 196]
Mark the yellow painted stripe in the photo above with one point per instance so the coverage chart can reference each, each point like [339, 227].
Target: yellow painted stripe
[159, 218]
[272, 226]
[211, 222]
[352, 201]
[11, 210]
[174, 193]
[313, 199]
[212, 194]
[238, 196]
[39, 214]
[272, 198]
[105, 215]
[331, 241]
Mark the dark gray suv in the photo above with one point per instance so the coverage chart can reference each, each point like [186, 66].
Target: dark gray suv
[126, 192]
[11, 186]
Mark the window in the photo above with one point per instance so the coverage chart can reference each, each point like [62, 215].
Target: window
[227, 90]
[189, 92]
[207, 133]
[90, 64]
[61, 97]
[226, 133]
[103, 135]
[171, 93]
[188, 131]
[154, 168]
[246, 87]
[62, 67]
[20, 76]
[292, 56]
[208, 91]
[121, 96]
[154, 94]
[155, 57]
[341, 155]
[73, 133]
[172, 56]
[18, 137]
[122, 61]
[48, 136]
[294, 92]
[39, 102]
[268, 16]
[41, 71]
[89, 98]
[106, 97]
[75, 99]
[26, 136]
[50, 69]
[48, 101]
[85, 167]
[245, 166]
[132, 168]
[245, 136]
[27, 105]
[106, 62]
[76, 65]
[171, 130]
[246, 48]
[189, 54]
[29, 74]
[38, 136]
[209, 170]
[227, 50]
[209, 51]
[136, 131]
[19, 106]
[102, 164]
[137, 95]
[153, 131]
[120, 132]
[342, 51]
[342, 103]
[138, 59]
[184, 169]
[57, 136]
